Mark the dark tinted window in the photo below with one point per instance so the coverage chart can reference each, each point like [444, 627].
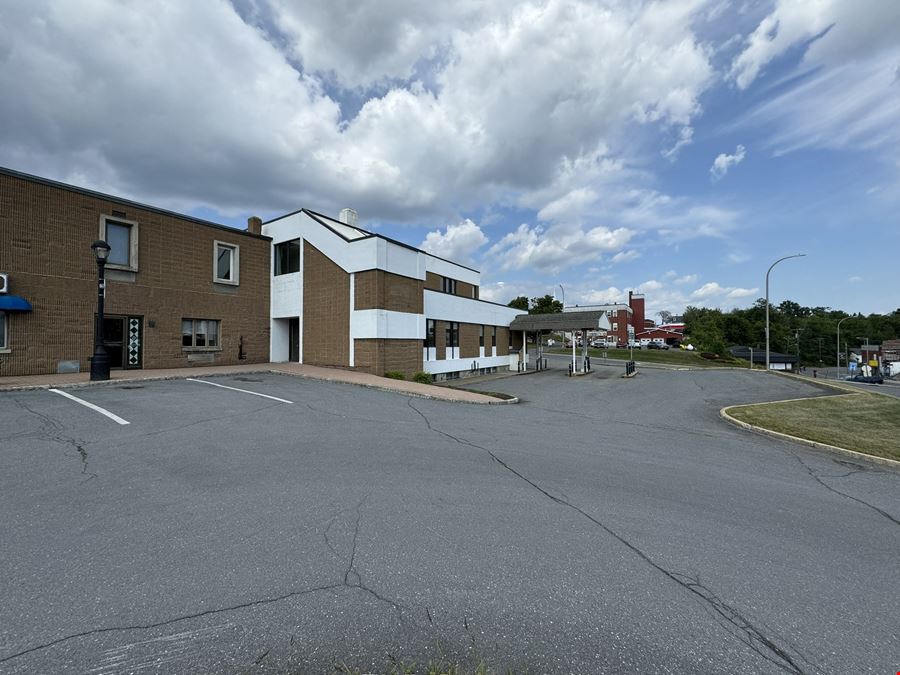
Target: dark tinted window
[287, 257]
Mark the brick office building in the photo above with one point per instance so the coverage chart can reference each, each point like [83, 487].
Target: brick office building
[179, 290]
[626, 321]
[346, 297]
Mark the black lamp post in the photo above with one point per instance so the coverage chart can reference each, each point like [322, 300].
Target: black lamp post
[100, 360]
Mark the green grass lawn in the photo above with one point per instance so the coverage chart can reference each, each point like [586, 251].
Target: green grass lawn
[867, 423]
[671, 357]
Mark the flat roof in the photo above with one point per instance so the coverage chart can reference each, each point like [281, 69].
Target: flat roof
[557, 321]
[126, 202]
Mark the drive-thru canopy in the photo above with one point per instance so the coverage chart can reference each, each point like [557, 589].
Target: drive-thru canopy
[559, 322]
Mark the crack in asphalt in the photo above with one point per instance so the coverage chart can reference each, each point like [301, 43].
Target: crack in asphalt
[351, 579]
[166, 622]
[818, 478]
[52, 430]
[356, 417]
[753, 635]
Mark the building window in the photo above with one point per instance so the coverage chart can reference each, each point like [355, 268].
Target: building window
[287, 257]
[452, 334]
[4, 339]
[122, 237]
[493, 336]
[226, 263]
[429, 333]
[448, 285]
[481, 336]
[200, 334]
[615, 325]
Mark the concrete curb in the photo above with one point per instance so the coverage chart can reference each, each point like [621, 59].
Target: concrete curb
[262, 371]
[405, 392]
[723, 413]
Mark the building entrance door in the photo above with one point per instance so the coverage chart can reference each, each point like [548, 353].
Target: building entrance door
[123, 339]
[294, 340]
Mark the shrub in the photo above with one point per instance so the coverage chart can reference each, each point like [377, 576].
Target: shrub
[395, 375]
[422, 378]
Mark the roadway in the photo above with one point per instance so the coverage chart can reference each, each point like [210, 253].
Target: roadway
[602, 525]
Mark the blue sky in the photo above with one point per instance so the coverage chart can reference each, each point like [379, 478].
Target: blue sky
[675, 148]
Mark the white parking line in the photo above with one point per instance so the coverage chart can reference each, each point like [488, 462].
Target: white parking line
[97, 408]
[245, 391]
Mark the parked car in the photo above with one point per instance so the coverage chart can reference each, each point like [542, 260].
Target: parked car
[657, 345]
[633, 345]
[868, 379]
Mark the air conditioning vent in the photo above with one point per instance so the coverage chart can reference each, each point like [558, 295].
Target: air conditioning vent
[4, 283]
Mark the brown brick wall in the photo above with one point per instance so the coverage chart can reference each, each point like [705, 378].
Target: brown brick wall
[468, 340]
[466, 290]
[326, 310]
[503, 340]
[45, 236]
[435, 283]
[377, 289]
[379, 356]
[440, 338]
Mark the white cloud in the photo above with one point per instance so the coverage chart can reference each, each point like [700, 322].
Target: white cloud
[845, 89]
[450, 94]
[626, 256]
[556, 248]
[847, 31]
[854, 280]
[738, 257]
[568, 206]
[458, 242]
[685, 137]
[686, 279]
[713, 290]
[724, 162]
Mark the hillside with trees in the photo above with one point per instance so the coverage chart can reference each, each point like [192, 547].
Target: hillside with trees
[811, 331]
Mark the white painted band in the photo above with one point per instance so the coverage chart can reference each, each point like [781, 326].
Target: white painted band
[245, 391]
[96, 408]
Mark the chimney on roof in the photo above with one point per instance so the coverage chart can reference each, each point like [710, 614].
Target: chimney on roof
[254, 225]
[349, 217]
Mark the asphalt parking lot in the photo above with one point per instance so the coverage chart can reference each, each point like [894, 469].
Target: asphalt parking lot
[601, 525]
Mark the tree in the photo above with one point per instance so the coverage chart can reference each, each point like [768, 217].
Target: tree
[545, 305]
[664, 316]
[519, 303]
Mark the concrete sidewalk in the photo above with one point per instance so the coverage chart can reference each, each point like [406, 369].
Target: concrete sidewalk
[293, 369]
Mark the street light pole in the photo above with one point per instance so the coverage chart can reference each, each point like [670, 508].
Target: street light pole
[797, 255]
[100, 360]
[837, 373]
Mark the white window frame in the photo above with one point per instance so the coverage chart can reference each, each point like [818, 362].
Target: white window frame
[235, 263]
[4, 334]
[206, 348]
[133, 240]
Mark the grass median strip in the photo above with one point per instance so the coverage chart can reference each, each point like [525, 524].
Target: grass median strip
[867, 423]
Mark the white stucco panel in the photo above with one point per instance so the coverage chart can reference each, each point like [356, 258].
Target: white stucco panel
[381, 323]
[449, 269]
[446, 307]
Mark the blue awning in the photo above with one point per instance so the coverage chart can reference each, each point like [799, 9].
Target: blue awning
[13, 303]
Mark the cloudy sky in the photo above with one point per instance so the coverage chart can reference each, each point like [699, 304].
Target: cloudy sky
[676, 148]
